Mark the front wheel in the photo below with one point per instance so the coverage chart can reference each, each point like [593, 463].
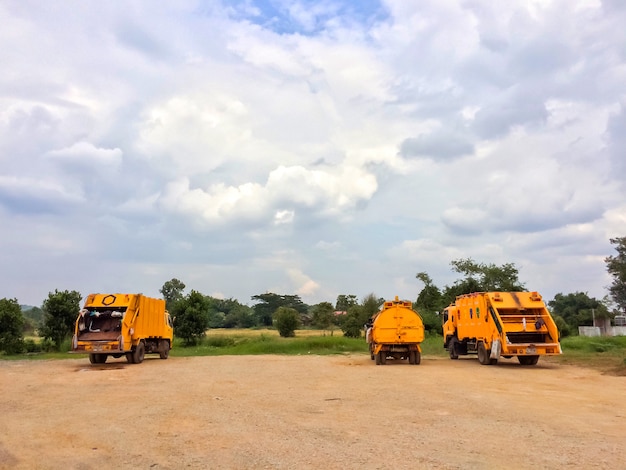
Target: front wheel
[453, 349]
[164, 350]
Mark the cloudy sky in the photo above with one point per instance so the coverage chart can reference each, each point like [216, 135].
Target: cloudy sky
[308, 147]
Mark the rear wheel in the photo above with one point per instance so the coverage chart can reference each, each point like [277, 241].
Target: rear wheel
[411, 357]
[93, 359]
[483, 354]
[129, 358]
[381, 358]
[528, 360]
[418, 357]
[139, 353]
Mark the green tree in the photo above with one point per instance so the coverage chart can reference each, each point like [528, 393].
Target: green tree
[577, 309]
[616, 266]
[11, 327]
[353, 321]
[191, 317]
[172, 292]
[481, 277]
[60, 312]
[286, 321]
[430, 299]
[324, 316]
[344, 302]
[371, 305]
[270, 302]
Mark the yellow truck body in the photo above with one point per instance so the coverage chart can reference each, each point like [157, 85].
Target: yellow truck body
[122, 324]
[395, 331]
[500, 324]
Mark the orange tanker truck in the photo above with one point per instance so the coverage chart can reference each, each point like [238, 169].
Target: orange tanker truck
[395, 331]
[122, 324]
[500, 324]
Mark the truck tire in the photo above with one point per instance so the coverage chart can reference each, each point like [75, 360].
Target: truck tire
[453, 348]
[139, 353]
[372, 351]
[417, 357]
[164, 349]
[483, 354]
[381, 358]
[528, 360]
[98, 358]
[129, 358]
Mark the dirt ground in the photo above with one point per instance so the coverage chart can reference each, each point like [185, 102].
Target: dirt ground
[298, 412]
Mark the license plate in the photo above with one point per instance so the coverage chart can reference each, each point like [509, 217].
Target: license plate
[531, 350]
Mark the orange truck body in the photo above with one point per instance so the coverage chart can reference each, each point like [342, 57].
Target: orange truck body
[119, 325]
[395, 331]
[500, 324]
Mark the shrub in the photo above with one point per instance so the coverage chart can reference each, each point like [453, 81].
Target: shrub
[286, 320]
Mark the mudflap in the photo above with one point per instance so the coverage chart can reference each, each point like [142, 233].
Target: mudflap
[496, 349]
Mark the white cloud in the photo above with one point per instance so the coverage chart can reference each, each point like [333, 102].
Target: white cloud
[86, 154]
[299, 148]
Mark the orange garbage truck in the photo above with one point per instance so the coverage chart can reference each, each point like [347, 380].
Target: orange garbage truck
[117, 325]
[500, 324]
[396, 331]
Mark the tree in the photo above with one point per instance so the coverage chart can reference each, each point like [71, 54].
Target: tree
[324, 316]
[60, 312]
[191, 318]
[353, 321]
[430, 298]
[616, 266]
[11, 327]
[286, 321]
[481, 277]
[577, 309]
[344, 302]
[172, 292]
[270, 302]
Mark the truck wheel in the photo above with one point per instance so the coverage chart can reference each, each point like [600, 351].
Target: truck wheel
[483, 354]
[139, 353]
[93, 359]
[417, 357]
[372, 351]
[528, 360]
[453, 349]
[129, 358]
[103, 358]
[381, 358]
[411, 357]
[164, 350]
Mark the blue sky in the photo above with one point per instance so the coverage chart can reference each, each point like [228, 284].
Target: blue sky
[311, 148]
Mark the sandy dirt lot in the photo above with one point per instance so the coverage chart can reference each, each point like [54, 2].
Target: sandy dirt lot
[295, 412]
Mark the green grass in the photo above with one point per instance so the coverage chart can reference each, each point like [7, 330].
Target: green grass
[221, 345]
[605, 353]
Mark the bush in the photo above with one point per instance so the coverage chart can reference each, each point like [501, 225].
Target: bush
[31, 346]
[11, 327]
[286, 321]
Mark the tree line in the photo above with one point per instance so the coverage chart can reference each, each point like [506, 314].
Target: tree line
[195, 313]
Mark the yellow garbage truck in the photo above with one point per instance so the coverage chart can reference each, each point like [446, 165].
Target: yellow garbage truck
[395, 331]
[122, 324]
[500, 324]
